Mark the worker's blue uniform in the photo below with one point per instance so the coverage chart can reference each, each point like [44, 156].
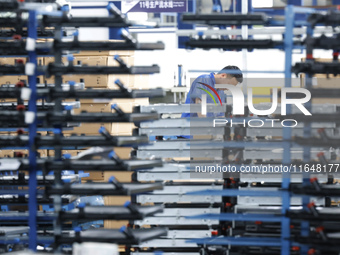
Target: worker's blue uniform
[195, 92]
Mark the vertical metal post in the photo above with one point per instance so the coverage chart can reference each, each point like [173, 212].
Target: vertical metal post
[179, 75]
[250, 10]
[306, 149]
[115, 33]
[181, 25]
[32, 201]
[288, 44]
[250, 7]
[58, 127]
[244, 10]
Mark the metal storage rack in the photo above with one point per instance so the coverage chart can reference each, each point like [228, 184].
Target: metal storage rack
[285, 240]
[286, 196]
[33, 116]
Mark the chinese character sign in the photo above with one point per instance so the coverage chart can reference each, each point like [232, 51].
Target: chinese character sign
[156, 6]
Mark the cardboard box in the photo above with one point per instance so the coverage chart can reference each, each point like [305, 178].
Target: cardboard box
[114, 224]
[50, 153]
[13, 60]
[10, 153]
[123, 152]
[124, 53]
[96, 81]
[92, 105]
[13, 79]
[122, 128]
[121, 176]
[136, 81]
[115, 200]
[94, 176]
[15, 100]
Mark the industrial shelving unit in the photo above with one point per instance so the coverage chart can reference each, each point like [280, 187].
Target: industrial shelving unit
[50, 229]
[286, 242]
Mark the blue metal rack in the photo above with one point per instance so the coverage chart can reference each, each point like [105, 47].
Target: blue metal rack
[31, 71]
[34, 218]
[292, 18]
[306, 153]
[32, 203]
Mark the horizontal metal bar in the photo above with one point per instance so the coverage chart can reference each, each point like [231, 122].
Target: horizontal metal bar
[180, 144]
[212, 154]
[278, 132]
[181, 189]
[48, 8]
[217, 154]
[166, 221]
[186, 211]
[170, 167]
[251, 152]
[188, 233]
[181, 131]
[186, 108]
[298, 126]
[238, 192]
[239, 241]
[254, 31]
[64, 86]
[25, 218]
[209, 122]
[261, 209]
[16, 192]
[277, 153]
[265, 200]
[184, 122]
[178, 199]
[181, 108]
[166, 243]
[233, 144]
[238, 217]
[75, 105]
[225, 18]
[163, 176]
[277, 177]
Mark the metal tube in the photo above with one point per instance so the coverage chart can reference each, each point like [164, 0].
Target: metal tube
[32, 202]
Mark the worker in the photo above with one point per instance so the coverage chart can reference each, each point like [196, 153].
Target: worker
[231, 75]
[205, 83]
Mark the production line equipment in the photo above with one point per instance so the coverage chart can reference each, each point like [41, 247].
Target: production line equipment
[56, 182]
[289, 211]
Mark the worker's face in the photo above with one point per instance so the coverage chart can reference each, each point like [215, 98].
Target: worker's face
[225, 79]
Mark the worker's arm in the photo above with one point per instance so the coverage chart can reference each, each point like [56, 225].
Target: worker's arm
[198, 101]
